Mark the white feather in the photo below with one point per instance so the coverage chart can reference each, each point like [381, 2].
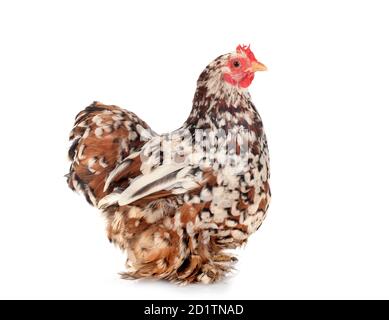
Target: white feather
[108, 200]
[184, 172]
[142, 181]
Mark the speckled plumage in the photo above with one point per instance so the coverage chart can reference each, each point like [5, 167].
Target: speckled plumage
[175, 202]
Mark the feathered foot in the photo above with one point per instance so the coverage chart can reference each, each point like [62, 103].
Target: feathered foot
[193, 270]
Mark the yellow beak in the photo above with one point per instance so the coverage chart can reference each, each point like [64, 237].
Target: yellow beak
[257, 66]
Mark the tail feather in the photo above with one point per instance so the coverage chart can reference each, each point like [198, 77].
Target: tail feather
[103, 135]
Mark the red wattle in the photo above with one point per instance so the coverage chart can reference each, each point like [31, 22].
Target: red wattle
[246, 81]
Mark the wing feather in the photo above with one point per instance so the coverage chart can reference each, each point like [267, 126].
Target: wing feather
[165, 180]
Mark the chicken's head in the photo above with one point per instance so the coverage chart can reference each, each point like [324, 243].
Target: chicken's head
[240, 66]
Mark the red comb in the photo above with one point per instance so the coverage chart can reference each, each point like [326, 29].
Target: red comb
[246, 50]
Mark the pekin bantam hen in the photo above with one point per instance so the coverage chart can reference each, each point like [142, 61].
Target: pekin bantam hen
[176, 202]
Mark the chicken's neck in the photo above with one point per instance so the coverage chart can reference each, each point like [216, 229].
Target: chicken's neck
[222, 107]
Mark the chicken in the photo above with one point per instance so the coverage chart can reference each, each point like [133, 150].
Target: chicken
[175, 202]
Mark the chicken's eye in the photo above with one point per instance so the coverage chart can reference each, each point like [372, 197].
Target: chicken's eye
[236, 64]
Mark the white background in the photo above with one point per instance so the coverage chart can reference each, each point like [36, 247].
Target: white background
[324, 103]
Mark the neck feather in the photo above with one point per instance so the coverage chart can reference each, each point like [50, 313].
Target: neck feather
[218, 105]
